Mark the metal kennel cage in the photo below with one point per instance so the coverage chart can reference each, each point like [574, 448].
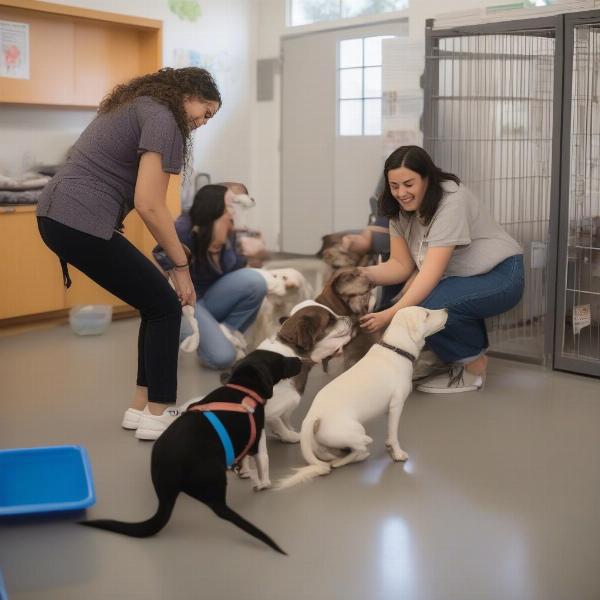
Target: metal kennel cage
[578, 301]
[492, 116]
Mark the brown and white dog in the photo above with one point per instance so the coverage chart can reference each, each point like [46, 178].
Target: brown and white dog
[336, 256]
[286, 287]
[313, 333]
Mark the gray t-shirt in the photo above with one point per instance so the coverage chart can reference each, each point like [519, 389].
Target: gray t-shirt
[94, 190]
[460, 221]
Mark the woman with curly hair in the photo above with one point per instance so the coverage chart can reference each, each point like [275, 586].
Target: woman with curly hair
[123, 161]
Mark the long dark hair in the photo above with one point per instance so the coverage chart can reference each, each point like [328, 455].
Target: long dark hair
[416, 159]
[208, 206]
[170, 87]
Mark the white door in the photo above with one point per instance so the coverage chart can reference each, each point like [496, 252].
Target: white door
[329, 172]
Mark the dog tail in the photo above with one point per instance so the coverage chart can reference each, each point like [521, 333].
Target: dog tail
[141, 530]
[315, 466]
[223, 511]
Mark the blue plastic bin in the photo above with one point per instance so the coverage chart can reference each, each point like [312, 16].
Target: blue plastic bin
[44, 480]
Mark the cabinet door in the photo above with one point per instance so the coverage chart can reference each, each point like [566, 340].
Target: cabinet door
[30, 275]
[105, 54]
[51, 49]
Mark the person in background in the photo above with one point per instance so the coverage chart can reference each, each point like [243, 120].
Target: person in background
[452, 254]
[250, 242]
[122, 162]
[229, 296]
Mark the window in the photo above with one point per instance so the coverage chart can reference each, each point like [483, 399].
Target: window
[303, 12]
[359, 85]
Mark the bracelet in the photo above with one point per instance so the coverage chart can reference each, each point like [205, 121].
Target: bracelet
[186, 266]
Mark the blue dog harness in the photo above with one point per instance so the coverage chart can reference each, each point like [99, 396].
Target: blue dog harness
[223, 436]
[247, 405]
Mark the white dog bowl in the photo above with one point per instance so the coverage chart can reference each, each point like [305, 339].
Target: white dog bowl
[91, 319]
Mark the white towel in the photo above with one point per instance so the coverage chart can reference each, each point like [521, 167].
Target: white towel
[191, 342]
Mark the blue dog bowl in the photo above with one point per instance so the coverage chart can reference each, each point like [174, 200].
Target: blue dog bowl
[45, 480]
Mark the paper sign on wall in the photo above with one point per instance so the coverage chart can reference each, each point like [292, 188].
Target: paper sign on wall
[14, 48]
[582, 317]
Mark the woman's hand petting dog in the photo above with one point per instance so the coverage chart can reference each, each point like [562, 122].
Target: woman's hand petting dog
[377, 321]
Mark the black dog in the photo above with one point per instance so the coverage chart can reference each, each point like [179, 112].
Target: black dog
[190, 455]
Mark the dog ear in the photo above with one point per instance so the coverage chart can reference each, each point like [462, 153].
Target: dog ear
[414, 326]
[303, 332]
[343, 279]
[253, 373]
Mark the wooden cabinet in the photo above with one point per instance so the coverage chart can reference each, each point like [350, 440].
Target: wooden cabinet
[76, 56]
[31, 276]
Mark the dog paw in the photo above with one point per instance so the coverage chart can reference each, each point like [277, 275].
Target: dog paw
[397, 454]
[291, 437]
[263, 485]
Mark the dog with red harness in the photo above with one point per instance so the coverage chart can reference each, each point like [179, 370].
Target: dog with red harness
[194, 453]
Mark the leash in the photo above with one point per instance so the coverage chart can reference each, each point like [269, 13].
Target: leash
[399, 351]
[247, 405]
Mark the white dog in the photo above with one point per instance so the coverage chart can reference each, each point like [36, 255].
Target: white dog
[380, 381]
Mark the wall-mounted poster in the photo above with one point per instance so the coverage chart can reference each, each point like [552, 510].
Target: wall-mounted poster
[14, 49]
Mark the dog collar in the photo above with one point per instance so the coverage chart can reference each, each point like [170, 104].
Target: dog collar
[307, 303]
[399, 351]
[345, 321]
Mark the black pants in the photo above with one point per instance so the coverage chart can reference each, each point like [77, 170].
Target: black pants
[120, 268]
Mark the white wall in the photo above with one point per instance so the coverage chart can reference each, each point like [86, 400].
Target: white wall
[224, 35]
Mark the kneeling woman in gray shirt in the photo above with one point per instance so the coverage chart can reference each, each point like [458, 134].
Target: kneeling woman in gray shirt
[122, 161]
[452, 254]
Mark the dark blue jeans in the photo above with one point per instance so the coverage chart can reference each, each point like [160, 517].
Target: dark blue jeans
[470, 300]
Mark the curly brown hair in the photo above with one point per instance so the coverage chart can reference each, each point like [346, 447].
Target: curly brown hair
[170, 87]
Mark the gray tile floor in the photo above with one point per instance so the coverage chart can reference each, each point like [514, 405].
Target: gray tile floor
[500, 498]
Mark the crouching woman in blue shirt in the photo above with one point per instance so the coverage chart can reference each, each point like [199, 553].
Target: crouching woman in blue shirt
[229, 296]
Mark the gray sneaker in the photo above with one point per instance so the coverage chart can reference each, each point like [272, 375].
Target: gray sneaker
[457, 379]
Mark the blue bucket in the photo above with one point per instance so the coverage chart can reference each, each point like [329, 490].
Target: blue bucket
[45, 480]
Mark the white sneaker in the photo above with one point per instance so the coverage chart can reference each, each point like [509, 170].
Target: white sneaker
[185, 405]
[456, 380]
[131, 418]
[151, 426]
